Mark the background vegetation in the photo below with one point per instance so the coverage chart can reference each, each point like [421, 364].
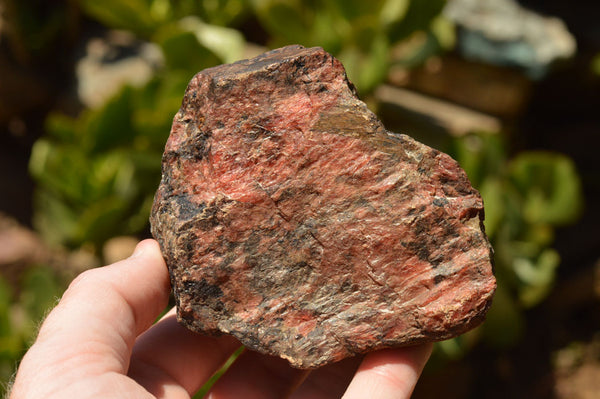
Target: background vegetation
[95, 168]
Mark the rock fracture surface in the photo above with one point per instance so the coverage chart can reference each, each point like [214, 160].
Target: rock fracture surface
[291, 219]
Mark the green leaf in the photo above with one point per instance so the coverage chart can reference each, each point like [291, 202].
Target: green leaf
[493, 200]
[59, 169]
[537, 276]
[444, 31]
[450, 348]
[219, 12]
[54, 219]
[61, 127]
[393, 11]
[182, 50]
[419, 16]
[421, 50]
[218, 374]
[110, 126]
[228, 44]
[101, 220]
[549, 185]
[132, 15]
[357, 9]
[480, 155]
[367, 70]
[540, 234]
[285, 20]
[329, 32]
[153, 110]
[161, 10]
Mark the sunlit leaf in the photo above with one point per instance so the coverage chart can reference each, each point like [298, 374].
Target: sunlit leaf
[182, 50]
[480, 155]
[537, 275]
[393, 11]
[444, 31]
[227, 44]
[374, 65]
[549, 185]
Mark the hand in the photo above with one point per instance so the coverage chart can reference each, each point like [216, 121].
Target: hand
[98, 343]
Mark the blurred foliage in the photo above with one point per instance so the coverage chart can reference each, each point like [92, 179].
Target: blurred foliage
[145, 17]
[362, 34]
[21, 312]
[35, 29]
[526, 198]
[96, 174]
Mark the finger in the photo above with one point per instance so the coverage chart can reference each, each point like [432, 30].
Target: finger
[329, 381]
[389, 374]
[169, 354]
[92, 329]
[125, 297]
[254, 375]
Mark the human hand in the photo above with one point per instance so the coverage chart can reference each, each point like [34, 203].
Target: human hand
[99, 342]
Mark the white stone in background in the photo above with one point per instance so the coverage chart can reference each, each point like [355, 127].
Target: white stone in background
[503, 32]
[112, 62]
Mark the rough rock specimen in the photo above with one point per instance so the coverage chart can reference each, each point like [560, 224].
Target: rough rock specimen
[291, 219]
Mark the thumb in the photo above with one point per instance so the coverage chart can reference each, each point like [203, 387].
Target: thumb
[92, 329]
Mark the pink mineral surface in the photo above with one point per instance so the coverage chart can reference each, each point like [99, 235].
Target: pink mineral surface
[291, 219]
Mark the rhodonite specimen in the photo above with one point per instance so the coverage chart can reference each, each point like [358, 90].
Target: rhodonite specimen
[290, 218]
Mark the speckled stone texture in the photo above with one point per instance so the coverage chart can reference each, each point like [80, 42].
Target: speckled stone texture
[290, 218]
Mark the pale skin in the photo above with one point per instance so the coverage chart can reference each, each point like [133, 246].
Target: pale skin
[100, 342]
